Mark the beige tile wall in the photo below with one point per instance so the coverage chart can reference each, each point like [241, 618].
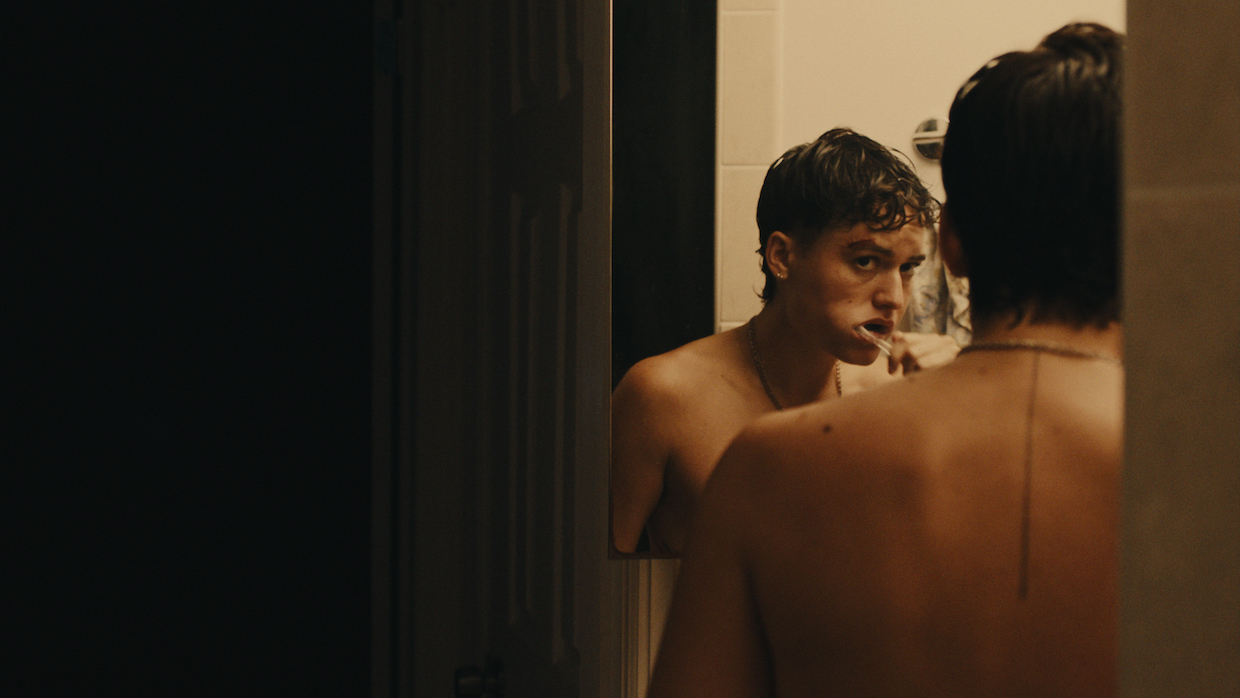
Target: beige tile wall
[749, 139]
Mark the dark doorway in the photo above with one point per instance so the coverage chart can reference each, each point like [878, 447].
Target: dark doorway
[193, 337]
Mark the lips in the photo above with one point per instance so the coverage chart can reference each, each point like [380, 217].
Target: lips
[875, 333]
[882, 328]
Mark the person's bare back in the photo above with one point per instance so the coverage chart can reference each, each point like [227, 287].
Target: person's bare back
[890, 554]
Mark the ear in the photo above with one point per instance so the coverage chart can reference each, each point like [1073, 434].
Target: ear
[949, 244]
[779, 253]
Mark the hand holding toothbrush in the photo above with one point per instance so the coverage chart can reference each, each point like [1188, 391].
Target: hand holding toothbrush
[913, 351]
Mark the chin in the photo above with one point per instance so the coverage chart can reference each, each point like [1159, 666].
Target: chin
[861, 357]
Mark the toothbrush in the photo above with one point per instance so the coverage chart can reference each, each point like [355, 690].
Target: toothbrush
[882, 344]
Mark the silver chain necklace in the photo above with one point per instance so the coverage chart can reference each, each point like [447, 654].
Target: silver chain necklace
[757, 361]
[1035, 345]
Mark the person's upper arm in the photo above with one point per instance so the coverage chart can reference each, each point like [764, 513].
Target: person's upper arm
[714, 644]
[639, 453]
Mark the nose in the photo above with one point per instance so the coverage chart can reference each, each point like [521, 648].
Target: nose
[892, 291]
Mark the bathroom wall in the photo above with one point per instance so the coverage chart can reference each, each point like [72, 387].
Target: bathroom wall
[1180, 562]
[791, 69]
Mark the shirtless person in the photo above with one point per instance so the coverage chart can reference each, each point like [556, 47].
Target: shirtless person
[955, 533]
[843, 222]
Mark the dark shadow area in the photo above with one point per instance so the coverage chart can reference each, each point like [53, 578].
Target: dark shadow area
[193, 331]
[663, 165]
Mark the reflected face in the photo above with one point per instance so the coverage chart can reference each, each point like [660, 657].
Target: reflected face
[848, 278]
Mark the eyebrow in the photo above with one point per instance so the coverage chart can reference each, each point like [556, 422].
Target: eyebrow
[871, 246]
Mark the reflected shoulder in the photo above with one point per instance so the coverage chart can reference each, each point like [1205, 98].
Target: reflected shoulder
[682, 370]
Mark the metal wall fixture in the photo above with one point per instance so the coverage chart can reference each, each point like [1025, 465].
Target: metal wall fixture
[928, 138]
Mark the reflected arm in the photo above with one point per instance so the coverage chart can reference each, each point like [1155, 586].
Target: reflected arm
[639, 456]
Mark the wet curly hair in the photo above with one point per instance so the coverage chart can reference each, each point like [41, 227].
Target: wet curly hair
[837, 181]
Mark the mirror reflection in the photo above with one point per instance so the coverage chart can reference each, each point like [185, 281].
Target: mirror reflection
[785, 73]
[975, 507]
[844, 223]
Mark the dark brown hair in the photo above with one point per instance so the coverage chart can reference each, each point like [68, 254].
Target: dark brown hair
[1032, 176]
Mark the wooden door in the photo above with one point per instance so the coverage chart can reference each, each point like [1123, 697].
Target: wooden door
[492, 397]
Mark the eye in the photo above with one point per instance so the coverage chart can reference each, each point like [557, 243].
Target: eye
[866, 263]
[909, 267]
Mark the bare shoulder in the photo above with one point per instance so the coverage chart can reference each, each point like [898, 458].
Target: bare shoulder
[832, 465]
[839, 433]
[681, 376]
[824, 459]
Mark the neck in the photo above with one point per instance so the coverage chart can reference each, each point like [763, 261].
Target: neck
[1107, 340]
[798, 372]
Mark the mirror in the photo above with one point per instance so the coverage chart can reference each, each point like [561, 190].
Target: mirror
[781, 73]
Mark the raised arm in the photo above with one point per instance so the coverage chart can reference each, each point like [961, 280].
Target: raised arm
[639, 455]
